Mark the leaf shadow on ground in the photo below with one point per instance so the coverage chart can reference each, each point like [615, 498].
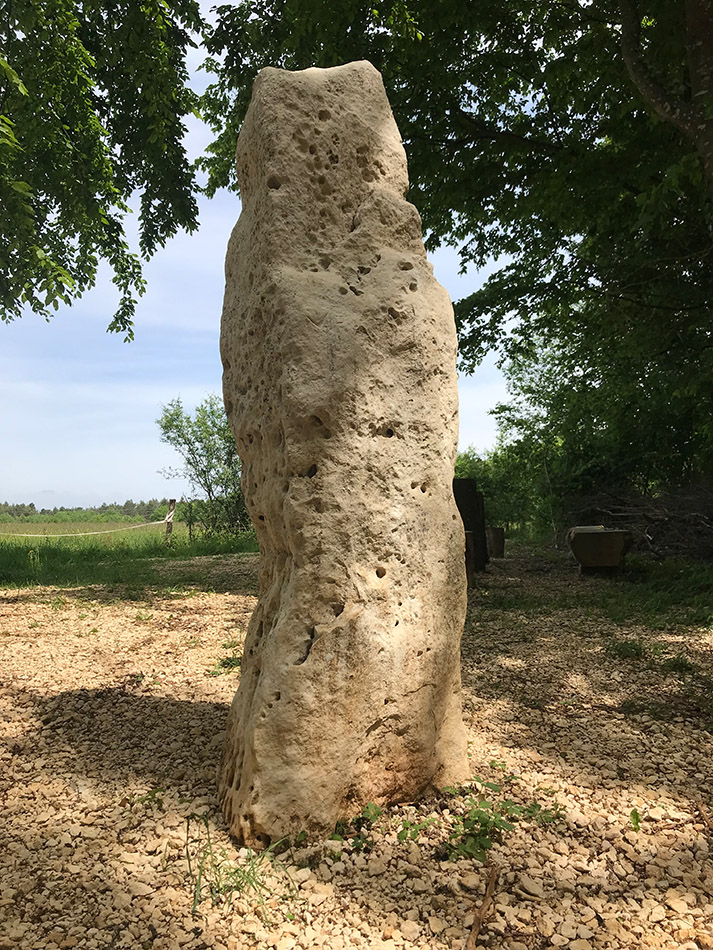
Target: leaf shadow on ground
[551, 691]
[553, 645]
[108, 743]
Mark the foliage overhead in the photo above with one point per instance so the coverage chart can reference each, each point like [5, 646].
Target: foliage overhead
[571, 140]
[93, 101]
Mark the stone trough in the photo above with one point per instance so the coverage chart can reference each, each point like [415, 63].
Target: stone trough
[598, 549]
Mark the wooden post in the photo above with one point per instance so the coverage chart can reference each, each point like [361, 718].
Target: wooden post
[169, 518]
[472, 510]
[470, 558]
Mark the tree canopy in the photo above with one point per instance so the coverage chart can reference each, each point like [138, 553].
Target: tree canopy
[572, 141]
[93, 100]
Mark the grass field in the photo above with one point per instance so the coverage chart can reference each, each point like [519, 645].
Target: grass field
[121, 554]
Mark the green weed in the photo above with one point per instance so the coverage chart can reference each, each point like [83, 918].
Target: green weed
[357, 830]
[411, 830]
[626, 649]
[154, 797]
[215, 876]
[485, 822]
[678, 664]
[227, 664]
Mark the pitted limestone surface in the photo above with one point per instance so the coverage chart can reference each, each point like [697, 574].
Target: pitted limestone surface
[339, 353]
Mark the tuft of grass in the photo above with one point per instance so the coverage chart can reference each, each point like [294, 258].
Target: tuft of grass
[678, 664]
[227, 664]
[626, 649]
[214, 876]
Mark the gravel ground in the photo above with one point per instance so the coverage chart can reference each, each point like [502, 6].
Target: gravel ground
[112, 711]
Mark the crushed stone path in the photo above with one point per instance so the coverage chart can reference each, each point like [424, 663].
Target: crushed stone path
[111, 713]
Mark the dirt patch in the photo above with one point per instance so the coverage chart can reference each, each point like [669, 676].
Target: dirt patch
[112, 718]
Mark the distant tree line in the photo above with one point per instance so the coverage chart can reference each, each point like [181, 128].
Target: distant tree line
[131, 511]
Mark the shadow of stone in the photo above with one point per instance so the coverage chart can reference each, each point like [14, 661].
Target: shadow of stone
[123, 734]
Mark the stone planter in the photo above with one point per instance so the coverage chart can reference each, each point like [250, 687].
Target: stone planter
[598, 549]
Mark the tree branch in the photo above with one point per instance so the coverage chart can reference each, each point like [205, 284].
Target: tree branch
[479, 130]
[676, 111]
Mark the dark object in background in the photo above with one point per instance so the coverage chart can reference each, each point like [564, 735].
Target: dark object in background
[599, 550]
[472, 510]
[496, 541]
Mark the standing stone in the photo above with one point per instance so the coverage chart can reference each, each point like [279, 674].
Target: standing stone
[339, 354]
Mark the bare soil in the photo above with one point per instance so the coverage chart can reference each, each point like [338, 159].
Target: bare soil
[112, 710]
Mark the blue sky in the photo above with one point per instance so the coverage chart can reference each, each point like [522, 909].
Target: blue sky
[79, 406]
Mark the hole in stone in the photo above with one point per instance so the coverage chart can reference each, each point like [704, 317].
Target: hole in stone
[276, 698]
[405, 265]
[395, 314]
[389, 433]
[261, 517]
[312, 471]
[380, 571]
[324, 114]
[325, 261]
[343, 291]
[313, 149]
[334, 159]
[316, 421]
[419, 653]
[307, 646]
[424, 488]
[414, 484]
[338, 609]
[396, 623]
[413, 286]
[273, 182]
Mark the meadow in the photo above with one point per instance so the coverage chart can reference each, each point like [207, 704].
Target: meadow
[67, 554]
